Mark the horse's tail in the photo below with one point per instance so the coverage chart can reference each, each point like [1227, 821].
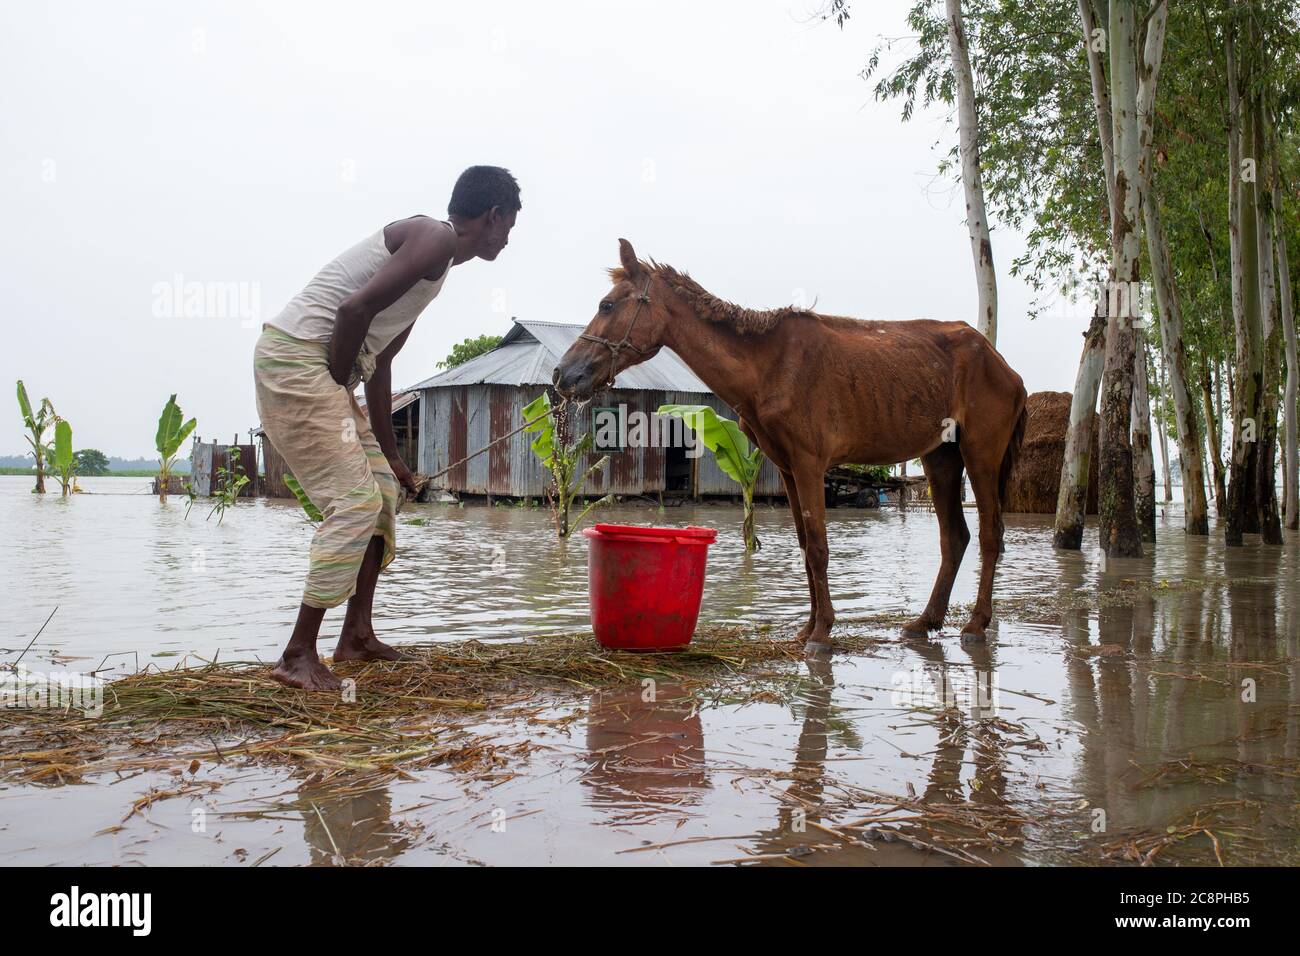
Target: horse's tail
[1012, 454]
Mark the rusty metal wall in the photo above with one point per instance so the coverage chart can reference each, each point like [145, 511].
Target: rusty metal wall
[457, 445]
[207, 458]
[709, 478]
[201, 469]
[271, 482]
[247, 466]
[457, 420]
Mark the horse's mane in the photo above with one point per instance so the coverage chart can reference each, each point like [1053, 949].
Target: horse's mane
[709, 306]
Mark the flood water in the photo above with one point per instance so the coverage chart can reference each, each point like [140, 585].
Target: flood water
[1130, 699]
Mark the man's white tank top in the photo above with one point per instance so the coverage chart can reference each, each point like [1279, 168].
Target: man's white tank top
[310, 314]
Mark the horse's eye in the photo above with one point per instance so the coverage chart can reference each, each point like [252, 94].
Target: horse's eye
[607, 306]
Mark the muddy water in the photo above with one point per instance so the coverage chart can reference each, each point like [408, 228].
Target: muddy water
[1166, 706]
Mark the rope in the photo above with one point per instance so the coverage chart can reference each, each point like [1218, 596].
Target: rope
[489, 445]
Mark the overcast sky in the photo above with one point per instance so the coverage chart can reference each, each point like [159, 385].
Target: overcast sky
[146, 144]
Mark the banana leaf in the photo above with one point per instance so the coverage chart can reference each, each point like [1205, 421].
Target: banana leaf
[63, 457]
[25, 406]
[544, 444]
[724, 438]
[171, 432]
[313, 512]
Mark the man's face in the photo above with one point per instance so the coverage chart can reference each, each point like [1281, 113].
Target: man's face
[497, 234]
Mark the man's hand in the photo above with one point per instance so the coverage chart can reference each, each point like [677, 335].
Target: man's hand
[404, 476]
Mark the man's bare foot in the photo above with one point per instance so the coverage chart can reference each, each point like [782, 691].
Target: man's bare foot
[306, 672]
[357, 646]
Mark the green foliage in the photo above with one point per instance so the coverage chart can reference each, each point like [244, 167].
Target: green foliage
[92, 461]
[871, 473]
[730, 450]
[172, 432]
[462, 352]
[313, 513]
[565, 463]
[37, 422]
[63, 459]
[538, 411]
[230, 480]
[1040, 154]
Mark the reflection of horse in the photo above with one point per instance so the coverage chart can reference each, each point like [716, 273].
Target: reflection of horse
[645, 751]
[805, 804]
[814, 391]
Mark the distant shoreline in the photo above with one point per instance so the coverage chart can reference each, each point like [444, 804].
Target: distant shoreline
[127, 473]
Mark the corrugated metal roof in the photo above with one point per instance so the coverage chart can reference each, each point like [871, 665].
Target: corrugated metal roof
[529, 352]
[400, 401]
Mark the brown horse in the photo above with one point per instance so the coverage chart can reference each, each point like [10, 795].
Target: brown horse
[814, 391]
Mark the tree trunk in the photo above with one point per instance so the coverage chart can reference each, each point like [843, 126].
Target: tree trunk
[1144, 468]
[1163, 434]
[1076, 466]
[1243, 236]
[972, 181]
[1215, 445]
[1100, 95]
[1270, 523]
[1195, 507]
[1120, 535]
[1072, 498]
[1290, 464]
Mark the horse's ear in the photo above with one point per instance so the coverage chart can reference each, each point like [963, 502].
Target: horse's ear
[627, 255]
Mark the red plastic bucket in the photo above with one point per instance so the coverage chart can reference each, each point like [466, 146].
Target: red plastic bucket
[645, 584]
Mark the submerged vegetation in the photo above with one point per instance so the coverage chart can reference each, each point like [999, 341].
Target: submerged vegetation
[731, 450]
[37, 422]
[564, 460]
[231, 479]
[64, 459]
[172, 432]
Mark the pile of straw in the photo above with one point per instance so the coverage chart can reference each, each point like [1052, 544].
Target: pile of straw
[394, 717]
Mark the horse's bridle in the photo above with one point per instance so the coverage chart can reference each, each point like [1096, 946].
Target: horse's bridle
[626, 341]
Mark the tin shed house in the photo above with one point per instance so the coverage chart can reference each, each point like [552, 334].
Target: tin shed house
[464, 408]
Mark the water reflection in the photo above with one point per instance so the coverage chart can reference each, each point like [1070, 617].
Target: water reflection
[645, 747]
[1175, 689]
[342, 828]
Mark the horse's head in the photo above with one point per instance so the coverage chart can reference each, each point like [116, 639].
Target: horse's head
[628, 328]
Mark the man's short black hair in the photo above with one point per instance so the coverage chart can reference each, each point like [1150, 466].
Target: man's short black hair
[479, 188]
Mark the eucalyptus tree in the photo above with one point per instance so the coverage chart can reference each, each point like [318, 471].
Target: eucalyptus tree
[977, 221]
[1047, 78]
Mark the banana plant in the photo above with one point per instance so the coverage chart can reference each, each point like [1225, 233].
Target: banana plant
[313, 513]
[172, 432]
[730, 450]
[37, 423]
[64, 461]
[565, 464]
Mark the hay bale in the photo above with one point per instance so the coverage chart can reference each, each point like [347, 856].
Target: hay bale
[1036, 479]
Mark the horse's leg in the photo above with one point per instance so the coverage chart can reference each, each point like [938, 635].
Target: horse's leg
[792, 496]
[984, 480]
[943, 467]
[810, 483]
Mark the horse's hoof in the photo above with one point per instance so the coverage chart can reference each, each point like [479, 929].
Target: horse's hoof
[918, 628]
[972, 637]
[818, 649]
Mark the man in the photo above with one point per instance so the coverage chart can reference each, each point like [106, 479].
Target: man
[344, 327]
